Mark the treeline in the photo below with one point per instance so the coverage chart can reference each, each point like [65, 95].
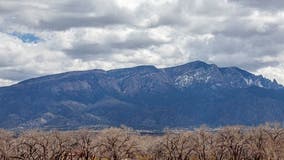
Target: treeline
[228, 143]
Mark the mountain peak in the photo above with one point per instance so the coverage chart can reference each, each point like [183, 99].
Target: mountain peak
[196, 64]
[201, 73]
[182, 76]
[147, 67]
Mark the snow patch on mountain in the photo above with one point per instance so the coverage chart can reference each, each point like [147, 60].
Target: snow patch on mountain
[231, 77]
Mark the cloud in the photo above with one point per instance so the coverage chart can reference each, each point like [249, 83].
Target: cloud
[20, 60]
[133, 40]
[76, 35]
[6, 82]
[271, 5]
[65, 14]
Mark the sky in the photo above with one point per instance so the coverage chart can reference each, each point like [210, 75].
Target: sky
[53, 36]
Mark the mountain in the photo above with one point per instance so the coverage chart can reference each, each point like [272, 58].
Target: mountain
[143, 97]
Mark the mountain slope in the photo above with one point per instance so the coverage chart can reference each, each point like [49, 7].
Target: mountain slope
[143, 97]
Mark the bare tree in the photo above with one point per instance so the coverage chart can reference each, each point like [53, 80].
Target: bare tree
[228, 143]
[202, 139]
[235, 141]
[177, 146]
[256, 143]
[6, 144]
[218, 148]
[149, 147]
[83, 145]
[275, 139]
[116, 144]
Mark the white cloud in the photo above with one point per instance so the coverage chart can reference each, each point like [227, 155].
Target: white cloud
[273, 73]
[6, 82]
[103, 34]
[24, 60]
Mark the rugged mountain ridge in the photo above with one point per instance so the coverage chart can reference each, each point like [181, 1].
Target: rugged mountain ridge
[143, 97]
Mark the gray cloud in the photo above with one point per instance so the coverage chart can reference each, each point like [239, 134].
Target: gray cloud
[90, 13]
[89, 51]
[15, 75]
[272, 5]
[64, 23]
[133, 41]
[243, 52]
[65, 14]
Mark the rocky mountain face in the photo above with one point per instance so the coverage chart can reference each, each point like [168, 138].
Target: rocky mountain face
[143, 97]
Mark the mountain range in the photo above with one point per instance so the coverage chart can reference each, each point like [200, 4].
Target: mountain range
[143, 97]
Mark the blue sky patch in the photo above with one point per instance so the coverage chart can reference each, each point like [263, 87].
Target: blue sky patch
[26, 37]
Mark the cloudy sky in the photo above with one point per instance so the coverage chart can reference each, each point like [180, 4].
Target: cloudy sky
[40, 37]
